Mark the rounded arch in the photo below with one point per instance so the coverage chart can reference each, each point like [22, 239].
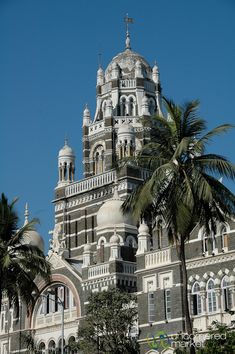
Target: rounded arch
[123, 105]
[42, 286]
[96, 144]
[131, 105]
[131, 241]
[101, 239]
[152, 106]
[103, 106]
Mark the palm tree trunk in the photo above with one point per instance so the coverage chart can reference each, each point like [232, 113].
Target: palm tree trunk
[185, 303]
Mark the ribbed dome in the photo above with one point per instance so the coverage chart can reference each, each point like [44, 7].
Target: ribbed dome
[66, 151]
[127, 61]
[110, 213]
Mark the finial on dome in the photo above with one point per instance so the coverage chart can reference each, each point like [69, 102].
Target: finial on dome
[26, 214]
[65, 140]
[128, 20]
[99, 59]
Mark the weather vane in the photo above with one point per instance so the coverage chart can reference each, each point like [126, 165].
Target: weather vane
[128, 20]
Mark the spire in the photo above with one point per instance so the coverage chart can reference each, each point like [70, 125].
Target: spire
[26, 214]
[128, 20]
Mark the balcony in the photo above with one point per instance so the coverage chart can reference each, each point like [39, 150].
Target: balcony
[90, 183]
[158, 258]
[127, 83]
[98, 270]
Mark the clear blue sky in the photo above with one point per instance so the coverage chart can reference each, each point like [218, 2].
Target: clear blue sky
[48, 64]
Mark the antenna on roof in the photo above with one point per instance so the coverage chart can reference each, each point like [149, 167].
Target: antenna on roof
[99, 59]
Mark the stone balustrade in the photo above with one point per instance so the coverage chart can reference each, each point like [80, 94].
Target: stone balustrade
[90, 183]
[127, 83]
[99, 270]
[158, 258]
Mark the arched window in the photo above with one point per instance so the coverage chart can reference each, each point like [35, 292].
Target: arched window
[211, 298]
[123, 106]
[59, 346]
[224, 238]
[71, 343]
[151, 107]
[196, 299]
[51, 347]
[42, 348]
[51, 302]
[131, 107]
[98, 158]
[226, 293]
[103, 107]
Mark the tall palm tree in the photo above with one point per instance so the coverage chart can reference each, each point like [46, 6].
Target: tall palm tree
[183, 186]
[20, 263]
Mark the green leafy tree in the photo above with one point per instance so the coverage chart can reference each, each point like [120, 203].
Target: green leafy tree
[20, 263]
[221, 341]
[106, 329]
[184, 186]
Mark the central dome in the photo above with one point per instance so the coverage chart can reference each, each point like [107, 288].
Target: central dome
[110, 213]
[127, 61]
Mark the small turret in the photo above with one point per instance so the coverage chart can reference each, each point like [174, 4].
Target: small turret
[100, 76]
[155, 74]
[86, 117]
[143, 239]
[66, 165]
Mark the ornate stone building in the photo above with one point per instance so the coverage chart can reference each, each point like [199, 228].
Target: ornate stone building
[94, 246]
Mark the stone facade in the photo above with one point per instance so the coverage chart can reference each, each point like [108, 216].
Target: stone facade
[94, 246]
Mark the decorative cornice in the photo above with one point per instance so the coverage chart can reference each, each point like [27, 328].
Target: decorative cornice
[212, 260]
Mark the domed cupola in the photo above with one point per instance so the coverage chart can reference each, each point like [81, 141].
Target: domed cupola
[110, 213]
[125, 141]
[100, 76]
[86, 116]
[32, 237]
[155, 74]
[66, 165]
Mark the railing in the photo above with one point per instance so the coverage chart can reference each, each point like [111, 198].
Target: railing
[161, 257]
[128, 83]
[106, 87]
[129, 268]
[90, 183]
[98, 270]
